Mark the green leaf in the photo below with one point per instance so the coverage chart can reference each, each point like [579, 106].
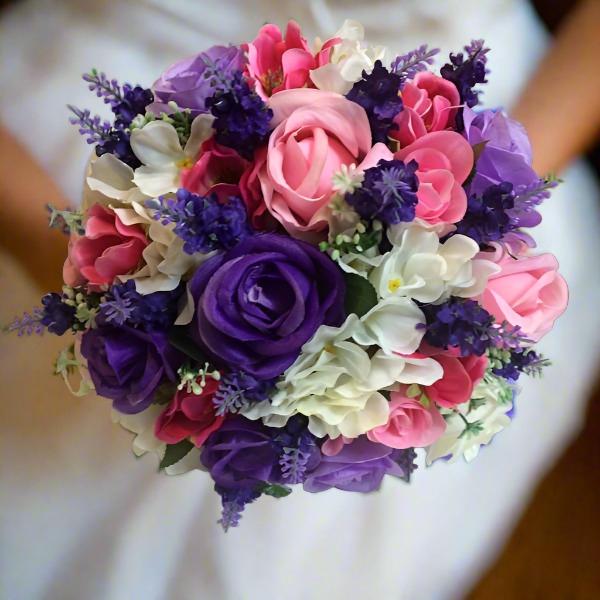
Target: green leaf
[164, 393]
[175, 452]
[277, 491]
[179, 338]
[360, 294]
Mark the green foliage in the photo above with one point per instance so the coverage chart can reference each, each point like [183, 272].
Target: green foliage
[361, 296]
[276, 491]
[175, 452]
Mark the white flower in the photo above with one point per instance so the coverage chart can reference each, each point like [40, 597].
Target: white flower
[485, 415]
[114, 179]
[336, 383]
[165, 262]
[348, 60]
[422, 268]
[142, 424]
[157, 146]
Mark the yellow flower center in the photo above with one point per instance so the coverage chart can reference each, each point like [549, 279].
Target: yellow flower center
[394, 284]
[329, 348]
[185, 163]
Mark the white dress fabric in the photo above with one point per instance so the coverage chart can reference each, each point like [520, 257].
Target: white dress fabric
[81, 519]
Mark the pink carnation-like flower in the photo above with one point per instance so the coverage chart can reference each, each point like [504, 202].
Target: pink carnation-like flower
[410, 424]
[109, 248]
[528, 292]
[429, 104]
[277, 63]
[445, 160]
[189, 415]
[316, 133]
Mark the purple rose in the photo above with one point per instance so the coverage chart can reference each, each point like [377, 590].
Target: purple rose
[127, 365]
[507, 152]
[242, 454]
[190, 81]
[359, 467]
[258, 303]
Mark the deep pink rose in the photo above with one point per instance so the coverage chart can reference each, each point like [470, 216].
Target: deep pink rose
[528, 292]
[277, 63]
[316, 133]
[217, 170]
[429, 104]
[445, 160]
[461, 375]
[410, 424]
[109, 248]
[189, 416]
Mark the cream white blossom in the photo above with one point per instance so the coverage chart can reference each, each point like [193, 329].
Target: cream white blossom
[336, 383]
[421, 267]
[113, 179]
[348, 60]
[158, 148]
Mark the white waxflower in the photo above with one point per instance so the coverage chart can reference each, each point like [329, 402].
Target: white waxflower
[157, 146]
[336, 383]
[113, 179]
[420, 267]
[164, 261]
[349, 59]
[485, 415]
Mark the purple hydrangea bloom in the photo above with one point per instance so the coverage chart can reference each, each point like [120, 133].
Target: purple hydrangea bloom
[134, 102]
[191, 81]
[377, 93]
[58, 317]
[388, 192]
[506, 154]
[258, 303]
[127, 364]
[359, 467]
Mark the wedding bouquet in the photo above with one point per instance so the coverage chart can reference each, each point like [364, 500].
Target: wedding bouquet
[299, 265]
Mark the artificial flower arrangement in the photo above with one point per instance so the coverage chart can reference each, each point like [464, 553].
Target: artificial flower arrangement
[298, 266]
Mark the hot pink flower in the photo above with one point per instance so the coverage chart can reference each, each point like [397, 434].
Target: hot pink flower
[461, 375]
[189, 415]
[109, 248]
[445, 160]
[316, 133]
[410, 424]
[429, 104]
[279, 64]
[217, 170]
[528, 292]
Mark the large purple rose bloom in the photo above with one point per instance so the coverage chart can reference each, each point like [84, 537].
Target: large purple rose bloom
[359, 467]
[507, 152]
[258, 303]
[191, 81]
[242, 454]
[127, 365]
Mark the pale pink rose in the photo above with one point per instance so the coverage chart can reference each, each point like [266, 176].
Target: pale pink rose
[461, 375]
[332, 447]
[316, 133]
[429, 104]
[528, 292]
[109, 248]
[410, 424]
[217, 170]
[445, 160]
[276, 63]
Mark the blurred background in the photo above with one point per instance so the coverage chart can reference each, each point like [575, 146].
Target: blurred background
[81, 519]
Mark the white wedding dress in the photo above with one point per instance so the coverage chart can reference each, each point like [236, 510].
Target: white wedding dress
[83, 520]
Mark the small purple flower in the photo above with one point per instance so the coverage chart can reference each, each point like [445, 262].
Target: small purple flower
[238, 390]
[127, 365]
[191, 81]
[359, 467]
[413, 62]
[58, 317]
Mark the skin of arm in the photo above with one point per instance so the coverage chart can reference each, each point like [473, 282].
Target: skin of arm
[560, 106]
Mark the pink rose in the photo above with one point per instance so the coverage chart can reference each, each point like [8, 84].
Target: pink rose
[527, 292]
[279, 64]
[429, 104]
[445, 160]
[461, 375]
[315, 134]
[109, 248]
[217, 170]
[410, 424]
[189, 416]
[332, 447]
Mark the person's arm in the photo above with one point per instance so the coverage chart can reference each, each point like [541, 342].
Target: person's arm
[25, 189]
[560, 107]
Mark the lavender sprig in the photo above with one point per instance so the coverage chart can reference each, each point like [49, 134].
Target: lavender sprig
[109, 90]
[409, 64]
[68, 221]
[238, 390]
[234, 501]
[93, 128]
[294, 460]
[30, 323]
[529, 196]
